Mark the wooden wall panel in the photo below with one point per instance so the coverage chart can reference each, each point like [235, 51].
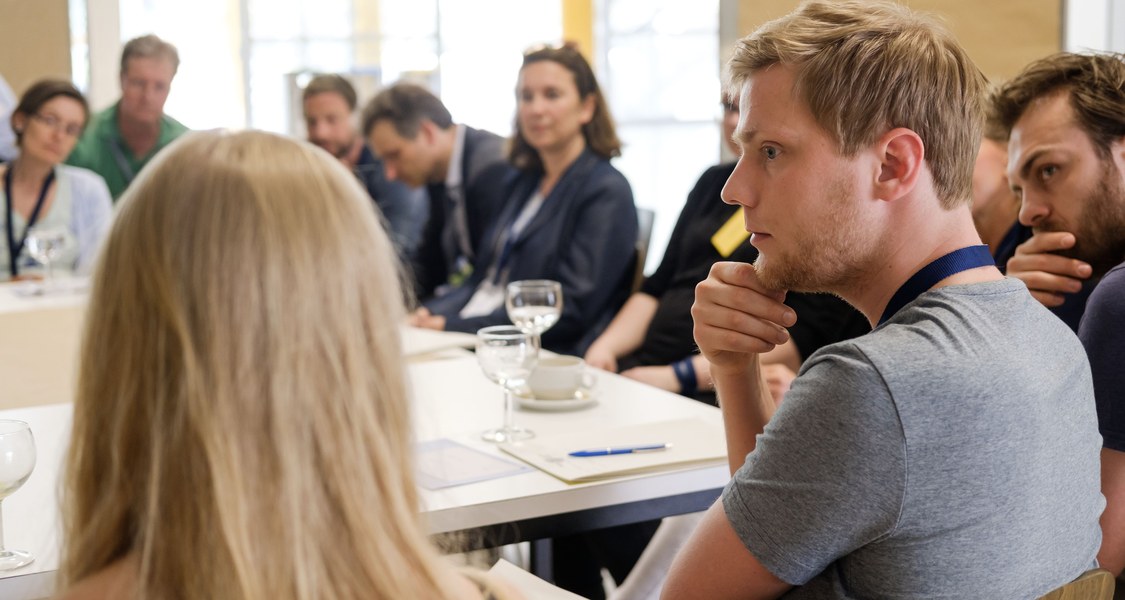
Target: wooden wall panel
[1001, 35]
[34, 41]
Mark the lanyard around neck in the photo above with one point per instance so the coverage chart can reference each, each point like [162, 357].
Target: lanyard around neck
[969, 257]
[15, 249]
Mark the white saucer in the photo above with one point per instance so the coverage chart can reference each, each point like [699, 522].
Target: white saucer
[583, 398]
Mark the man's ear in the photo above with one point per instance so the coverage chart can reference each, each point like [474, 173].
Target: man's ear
[19, 122]
[428, 131]
[902, 157]
[1117, 154]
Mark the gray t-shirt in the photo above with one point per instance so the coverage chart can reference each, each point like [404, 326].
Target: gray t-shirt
[950, 453]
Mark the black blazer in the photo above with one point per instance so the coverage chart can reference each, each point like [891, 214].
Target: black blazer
[584, 236]
[485, 173]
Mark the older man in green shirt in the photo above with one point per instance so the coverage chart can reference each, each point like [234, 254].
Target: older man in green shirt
[121, 139]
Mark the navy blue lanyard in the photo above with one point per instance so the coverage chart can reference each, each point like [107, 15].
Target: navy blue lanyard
[969, 257]
[506, 251]
[14, 249]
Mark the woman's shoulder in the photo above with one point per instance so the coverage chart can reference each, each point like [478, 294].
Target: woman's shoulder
[605, 179]
[83, 182]
[77, 173]
[117, 581]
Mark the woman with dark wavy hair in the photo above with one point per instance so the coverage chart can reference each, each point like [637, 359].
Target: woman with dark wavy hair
[569, 214]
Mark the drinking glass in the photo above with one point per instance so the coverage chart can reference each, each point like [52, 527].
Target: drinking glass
[17, 459]
[534, 305]
[507, 355]
[47, 243]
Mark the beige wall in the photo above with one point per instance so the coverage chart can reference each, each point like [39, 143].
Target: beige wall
[1001, 35]
[34, 41]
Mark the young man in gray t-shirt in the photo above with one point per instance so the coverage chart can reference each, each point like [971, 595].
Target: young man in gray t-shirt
[953, 451]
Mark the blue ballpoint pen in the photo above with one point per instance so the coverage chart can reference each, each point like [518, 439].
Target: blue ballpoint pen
[609, 451]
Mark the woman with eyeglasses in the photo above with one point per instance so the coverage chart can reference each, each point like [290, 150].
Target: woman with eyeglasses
[569, 215]
[39, 190]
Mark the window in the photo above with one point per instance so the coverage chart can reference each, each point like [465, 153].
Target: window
[1094, 25]
[659, 64]
[208, 90]
[248, 66]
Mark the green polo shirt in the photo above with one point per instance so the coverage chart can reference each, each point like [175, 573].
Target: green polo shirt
[102, 149]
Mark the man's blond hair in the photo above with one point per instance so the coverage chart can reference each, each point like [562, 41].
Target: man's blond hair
[864, 68]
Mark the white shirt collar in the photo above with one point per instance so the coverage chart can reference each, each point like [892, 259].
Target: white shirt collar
[453, 176]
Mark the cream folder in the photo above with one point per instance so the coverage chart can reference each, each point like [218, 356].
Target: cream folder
[693, 441]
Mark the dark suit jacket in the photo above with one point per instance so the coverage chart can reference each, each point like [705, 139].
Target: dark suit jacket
[485, 173]
[584, 236]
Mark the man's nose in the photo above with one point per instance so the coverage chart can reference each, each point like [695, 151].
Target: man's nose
[739, 186]
[1032, 210]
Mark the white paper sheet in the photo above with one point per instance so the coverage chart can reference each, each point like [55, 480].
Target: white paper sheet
[417, 342]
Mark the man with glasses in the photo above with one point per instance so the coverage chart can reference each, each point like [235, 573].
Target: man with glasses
[123, 138]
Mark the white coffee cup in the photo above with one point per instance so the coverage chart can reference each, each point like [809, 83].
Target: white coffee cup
[559, 378]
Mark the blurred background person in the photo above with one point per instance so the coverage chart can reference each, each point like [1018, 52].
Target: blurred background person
[7, 137]
[241, 428]
[996, 207]
[464, 170]
[569, 216]
[329, 103]
[39, 190]
[123, 138]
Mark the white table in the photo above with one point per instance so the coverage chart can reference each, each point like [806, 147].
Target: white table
[31, 519]
[452, 400]
[72, 293]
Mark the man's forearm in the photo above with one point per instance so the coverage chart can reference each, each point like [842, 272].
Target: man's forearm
[747, 406]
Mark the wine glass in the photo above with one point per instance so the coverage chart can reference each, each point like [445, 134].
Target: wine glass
[534, 305]
[507, 356]
[46, 244]
[17, 459]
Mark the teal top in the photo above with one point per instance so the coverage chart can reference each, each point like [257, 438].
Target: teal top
[102, 149]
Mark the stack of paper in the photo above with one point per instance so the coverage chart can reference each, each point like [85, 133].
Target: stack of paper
[418, 342]
[692, 441]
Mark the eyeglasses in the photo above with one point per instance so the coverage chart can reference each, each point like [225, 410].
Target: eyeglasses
[70, 129]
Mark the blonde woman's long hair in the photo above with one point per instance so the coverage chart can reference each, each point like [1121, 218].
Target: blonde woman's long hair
[241, 425]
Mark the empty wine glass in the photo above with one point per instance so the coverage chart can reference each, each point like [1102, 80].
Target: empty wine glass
[534, 305]
[46, 244]
[17, 459]
[507, 356]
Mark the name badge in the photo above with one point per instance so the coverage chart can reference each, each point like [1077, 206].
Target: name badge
[731, 235]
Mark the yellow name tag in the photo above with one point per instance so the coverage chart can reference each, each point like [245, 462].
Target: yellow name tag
[731, 235]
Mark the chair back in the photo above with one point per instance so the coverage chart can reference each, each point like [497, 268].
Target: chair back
[1095, 584]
